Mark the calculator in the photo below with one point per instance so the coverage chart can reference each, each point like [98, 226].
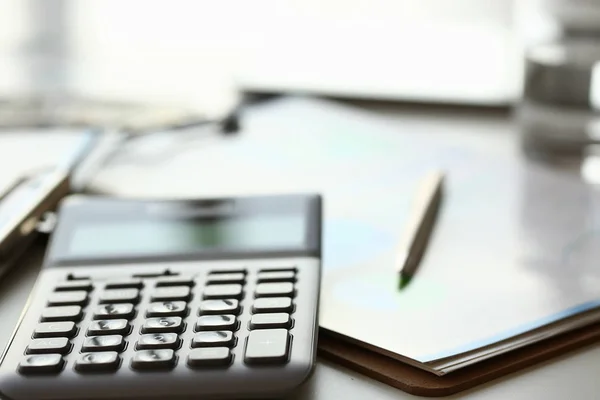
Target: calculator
[142, 299]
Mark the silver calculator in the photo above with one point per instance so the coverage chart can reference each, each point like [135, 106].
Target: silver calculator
[142, 299]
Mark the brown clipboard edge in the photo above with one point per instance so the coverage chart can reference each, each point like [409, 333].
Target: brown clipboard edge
[422, 383]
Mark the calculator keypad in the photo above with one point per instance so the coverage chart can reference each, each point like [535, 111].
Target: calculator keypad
[145, 323]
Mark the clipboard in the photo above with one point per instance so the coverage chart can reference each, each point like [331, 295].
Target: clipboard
[422, 383]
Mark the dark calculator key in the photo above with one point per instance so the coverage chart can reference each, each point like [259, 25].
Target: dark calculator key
[219, 306]
[163, 324]
[213, 338]
[278, 289]
[62, 313]
[171, 293]
[267, 346]
[55, 329]
[272, 304]
[153, 359]
[175, 281]
[209, 357]
[276, 276]
[132, 283]
[67, 286]
[216, 323]
[114, 311]
[74, 298]
[108, 327]
[223, 291]
[167, 309]
[59, 345]
[233, 277]
[165, 340]
[120, 296]
[270, 321]
[41, 364]
[104, 343]
[98, 362]
[229, 271]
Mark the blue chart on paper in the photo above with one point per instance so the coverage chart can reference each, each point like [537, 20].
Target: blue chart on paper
[351, 242]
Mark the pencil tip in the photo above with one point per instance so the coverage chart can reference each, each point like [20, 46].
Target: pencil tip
[404, 280]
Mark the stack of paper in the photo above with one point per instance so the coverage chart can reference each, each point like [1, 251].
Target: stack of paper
[513, 259]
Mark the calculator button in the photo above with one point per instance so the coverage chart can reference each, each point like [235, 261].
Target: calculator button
[74, 298]
[229, 271]
[62, 313]
[223, 291]
[269, 321]
[220, 306]
[209, 357]
[272, 304]
[41, 364]
[46, 346]
[175, 281]
[132, 283]
[274, 289]
[171, 293]
[233, 277]
[213, 338]
[158, 341]
[276, 276]
[114, 311]
[267, 346]
[163, 324]
[216, 323]
[108, 327]
[55, 329]
[120, 296]
[153, 359]
[98, 362]
[104, 343]
[167, 309]
[67, 286]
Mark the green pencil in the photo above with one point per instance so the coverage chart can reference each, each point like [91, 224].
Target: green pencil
[419, 227]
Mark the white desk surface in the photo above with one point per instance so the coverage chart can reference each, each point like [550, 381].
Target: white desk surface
[574, 376]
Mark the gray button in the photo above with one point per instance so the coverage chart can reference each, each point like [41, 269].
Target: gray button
[270, 346]
[269, 321]
[209, 357]
[219, 306]
[233, 277]
[175, 281]
[41, 364]
[272, 304]
[153, 359]
[98, 362]
[213, 338]
[216, 323]
[104, 343]
[109, 327]
[74, 298]
[62, 313]
[55, 329]
[51, 345]
[276, 276]
[274, 289]
[158, 341]
[223, 291]
[167, 309]
[163, 324]
[171, 293]
[114, 311]
[120, 296]
[66, 286]
[132, 283]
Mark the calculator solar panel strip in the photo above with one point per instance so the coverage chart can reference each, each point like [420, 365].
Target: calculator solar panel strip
[225, 326]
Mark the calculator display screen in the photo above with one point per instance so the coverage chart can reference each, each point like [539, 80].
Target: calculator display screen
[166, 236]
